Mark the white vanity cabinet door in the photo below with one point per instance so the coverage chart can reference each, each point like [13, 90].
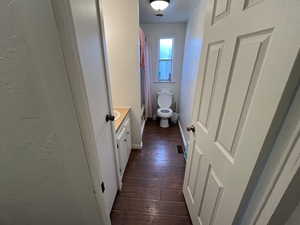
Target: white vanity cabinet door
[122, 150]
[124, 144]
[128, 135]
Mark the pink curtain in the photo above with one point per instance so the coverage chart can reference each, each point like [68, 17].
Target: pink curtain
[147, 80]
[146, 74]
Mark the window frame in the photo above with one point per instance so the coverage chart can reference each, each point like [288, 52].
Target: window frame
[171, 80]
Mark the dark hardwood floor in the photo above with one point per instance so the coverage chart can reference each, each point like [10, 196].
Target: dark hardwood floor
[152, 183]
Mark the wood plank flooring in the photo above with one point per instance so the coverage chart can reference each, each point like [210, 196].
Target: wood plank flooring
[152, 183]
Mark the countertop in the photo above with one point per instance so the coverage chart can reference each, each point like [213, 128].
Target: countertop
[119, 121]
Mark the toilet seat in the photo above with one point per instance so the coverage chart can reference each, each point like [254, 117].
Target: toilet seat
[165, 112]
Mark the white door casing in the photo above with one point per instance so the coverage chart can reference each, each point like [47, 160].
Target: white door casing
[249, 50]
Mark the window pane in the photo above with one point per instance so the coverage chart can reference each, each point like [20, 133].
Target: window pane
[165, 59]
[166, 47]
[165, 69]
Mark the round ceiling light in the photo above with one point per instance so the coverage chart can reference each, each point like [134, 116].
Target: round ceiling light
[159, 5]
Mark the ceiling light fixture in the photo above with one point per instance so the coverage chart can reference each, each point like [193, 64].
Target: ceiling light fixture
[159, 5]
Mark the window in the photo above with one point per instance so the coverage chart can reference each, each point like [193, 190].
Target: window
[165, 60]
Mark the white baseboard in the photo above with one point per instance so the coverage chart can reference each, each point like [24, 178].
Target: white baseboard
[143, 126]
[137, 146]
[185, 142]
[140, 145]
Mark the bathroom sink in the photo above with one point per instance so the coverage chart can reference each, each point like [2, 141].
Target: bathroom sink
[117, 114]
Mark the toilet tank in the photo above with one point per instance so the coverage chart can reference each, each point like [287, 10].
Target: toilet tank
[164, 99]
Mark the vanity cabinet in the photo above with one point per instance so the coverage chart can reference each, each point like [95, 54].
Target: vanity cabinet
[124, 144]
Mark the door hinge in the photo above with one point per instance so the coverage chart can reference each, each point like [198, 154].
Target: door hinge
[102, 187]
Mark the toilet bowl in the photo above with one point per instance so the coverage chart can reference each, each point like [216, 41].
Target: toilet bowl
[164, 101]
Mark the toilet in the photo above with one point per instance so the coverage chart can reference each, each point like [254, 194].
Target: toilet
[164, 101]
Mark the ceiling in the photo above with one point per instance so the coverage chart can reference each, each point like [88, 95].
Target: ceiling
[178, 11]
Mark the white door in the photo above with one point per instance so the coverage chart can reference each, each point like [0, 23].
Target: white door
[249, 50]
[90, 90]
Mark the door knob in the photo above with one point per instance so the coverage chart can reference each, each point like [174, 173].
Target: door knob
[109, 118]
[191, 129]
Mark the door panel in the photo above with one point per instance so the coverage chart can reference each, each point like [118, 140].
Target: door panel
[194, 172]
[211, 198]
[249, 3]
[248, 58]
[245, 67]
[221, 9]
[210, 79]
[203, 187]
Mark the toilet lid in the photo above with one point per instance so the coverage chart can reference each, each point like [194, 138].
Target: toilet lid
[164, 100]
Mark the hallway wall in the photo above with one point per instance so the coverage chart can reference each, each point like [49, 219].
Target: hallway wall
[166, 30]
[45, 178]
[191, 61]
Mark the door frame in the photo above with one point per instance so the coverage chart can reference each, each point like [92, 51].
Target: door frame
[272, 197]
[285, 154]
[63, 16]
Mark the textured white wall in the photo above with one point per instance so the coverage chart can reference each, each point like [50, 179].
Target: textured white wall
[121, 27]
[191, 61]
[44, 174]
[154, 32]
